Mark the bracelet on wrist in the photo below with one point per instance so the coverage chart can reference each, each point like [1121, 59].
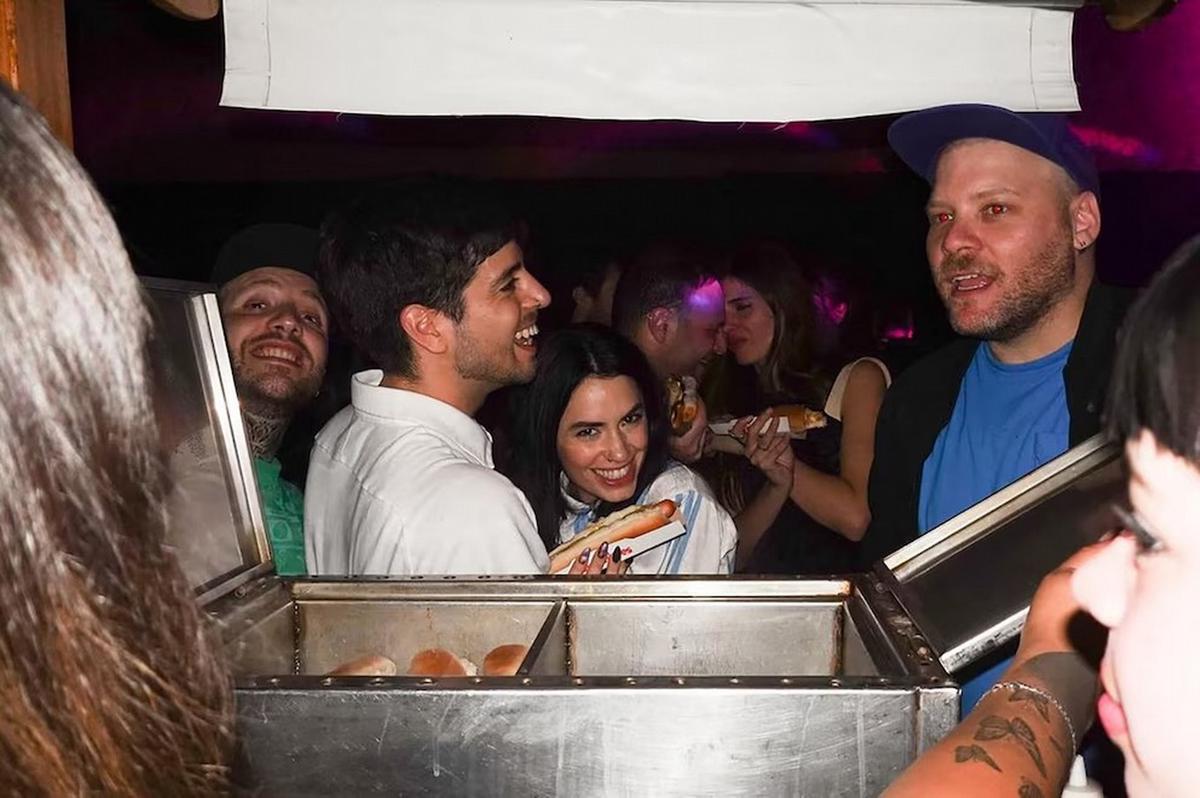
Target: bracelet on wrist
[1016, 685]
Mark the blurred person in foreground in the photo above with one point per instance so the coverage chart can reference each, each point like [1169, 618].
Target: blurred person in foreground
[111, 681]
[1017, 740]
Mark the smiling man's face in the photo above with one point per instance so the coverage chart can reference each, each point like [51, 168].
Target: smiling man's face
[277, 329]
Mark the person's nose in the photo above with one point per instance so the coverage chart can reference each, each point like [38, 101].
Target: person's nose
[618, 448]
[1104, 583]
[959, 237]
[287, 321]
[536, 294]
[720, 342]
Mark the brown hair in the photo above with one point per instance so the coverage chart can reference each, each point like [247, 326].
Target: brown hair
[787, 374]
[110, 679]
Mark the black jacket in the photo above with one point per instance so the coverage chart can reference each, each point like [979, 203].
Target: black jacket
[921, 401]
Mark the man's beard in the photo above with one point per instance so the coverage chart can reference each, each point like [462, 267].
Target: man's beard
[1027, 294]
[272, 394]
[473, 362]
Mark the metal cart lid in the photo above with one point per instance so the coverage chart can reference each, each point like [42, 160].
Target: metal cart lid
[968, 582]
[215, 515]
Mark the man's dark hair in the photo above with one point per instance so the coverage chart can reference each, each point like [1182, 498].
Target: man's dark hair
[660, 276]
[382, 254]
[1155, 382]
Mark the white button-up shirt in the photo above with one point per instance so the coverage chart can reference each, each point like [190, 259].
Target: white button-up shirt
[403, 484]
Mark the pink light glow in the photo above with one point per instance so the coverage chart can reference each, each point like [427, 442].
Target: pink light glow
[1116, 144]
[898, 332]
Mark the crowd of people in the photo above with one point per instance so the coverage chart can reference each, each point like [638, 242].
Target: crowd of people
[112, 681]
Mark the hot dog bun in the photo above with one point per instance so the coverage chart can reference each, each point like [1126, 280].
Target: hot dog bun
[628, 523]
[801, 418]
[368, 665]
[440, 662]
[504, 660]
[683, 403]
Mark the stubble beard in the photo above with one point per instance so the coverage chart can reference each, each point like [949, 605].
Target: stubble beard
[473, 362]
[1028, 295]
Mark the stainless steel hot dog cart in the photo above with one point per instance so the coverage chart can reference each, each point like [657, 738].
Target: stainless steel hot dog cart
[669, 686]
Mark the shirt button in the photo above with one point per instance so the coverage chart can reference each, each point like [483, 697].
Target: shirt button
[1091, 407]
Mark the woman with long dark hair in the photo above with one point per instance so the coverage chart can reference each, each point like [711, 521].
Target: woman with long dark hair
[110, 679]
[589, 436]
[801, 507]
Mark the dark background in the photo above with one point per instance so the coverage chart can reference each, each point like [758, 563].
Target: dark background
[181, 173]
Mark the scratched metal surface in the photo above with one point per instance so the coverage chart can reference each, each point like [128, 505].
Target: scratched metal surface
[660, 739]
[864, 695]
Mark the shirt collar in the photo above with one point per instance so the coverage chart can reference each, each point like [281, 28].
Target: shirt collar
[574, 505]
[368, 396]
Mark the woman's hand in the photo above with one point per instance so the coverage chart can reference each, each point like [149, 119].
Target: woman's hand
[767, 448]
[603, 562]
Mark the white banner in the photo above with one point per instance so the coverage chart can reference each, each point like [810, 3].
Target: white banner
[723, 60]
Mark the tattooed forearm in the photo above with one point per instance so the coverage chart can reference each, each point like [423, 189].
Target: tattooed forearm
[994, 727]
[1029, 790]
[1039, 702]
[1062, 749]
[974, 753]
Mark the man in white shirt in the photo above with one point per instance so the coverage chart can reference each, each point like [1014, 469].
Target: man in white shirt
[401, 482]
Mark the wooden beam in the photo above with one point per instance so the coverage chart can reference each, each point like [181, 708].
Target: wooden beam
[33, 58]
[190, 9]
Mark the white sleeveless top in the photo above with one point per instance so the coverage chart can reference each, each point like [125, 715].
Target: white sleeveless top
[833, 404]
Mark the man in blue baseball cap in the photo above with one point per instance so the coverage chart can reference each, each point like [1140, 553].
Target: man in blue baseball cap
[1014, 213]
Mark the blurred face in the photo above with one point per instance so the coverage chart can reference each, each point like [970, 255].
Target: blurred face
[597, 309]
[276, 326]
[495, 343]
[1146, 598]
[699, 334]
[1000, 242]
[602, 438]
[749, 323]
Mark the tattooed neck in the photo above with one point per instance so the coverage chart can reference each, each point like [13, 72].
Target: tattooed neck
[264, 429]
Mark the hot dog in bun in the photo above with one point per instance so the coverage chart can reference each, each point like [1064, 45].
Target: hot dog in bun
[683, 402]
[621, 525]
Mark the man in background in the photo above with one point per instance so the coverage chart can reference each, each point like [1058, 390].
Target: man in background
[670, 304]
[277, 330]
[1014, 213]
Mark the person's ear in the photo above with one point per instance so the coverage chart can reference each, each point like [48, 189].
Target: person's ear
[425, 327]
[1085, 220]
[661, 322]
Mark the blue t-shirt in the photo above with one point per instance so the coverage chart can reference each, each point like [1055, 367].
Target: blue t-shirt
[1008, 420]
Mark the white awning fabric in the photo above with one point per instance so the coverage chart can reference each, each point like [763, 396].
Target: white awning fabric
[714, 60]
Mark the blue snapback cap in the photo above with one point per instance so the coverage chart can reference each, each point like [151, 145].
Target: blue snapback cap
[919, 138]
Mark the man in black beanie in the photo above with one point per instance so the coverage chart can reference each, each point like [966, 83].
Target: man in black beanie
[277, 331]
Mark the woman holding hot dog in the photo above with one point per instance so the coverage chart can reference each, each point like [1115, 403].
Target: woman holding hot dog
[799, 507]
[590, 437]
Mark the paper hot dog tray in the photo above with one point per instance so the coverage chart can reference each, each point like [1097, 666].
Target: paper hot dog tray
[644, 543]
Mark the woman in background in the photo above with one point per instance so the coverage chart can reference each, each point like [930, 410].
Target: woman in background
[590, 437]
[800, 507]
[109, 678]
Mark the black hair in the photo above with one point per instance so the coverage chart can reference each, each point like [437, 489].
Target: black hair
[661, 276]
[566, 359]
[381, 255]
[1156, 379]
